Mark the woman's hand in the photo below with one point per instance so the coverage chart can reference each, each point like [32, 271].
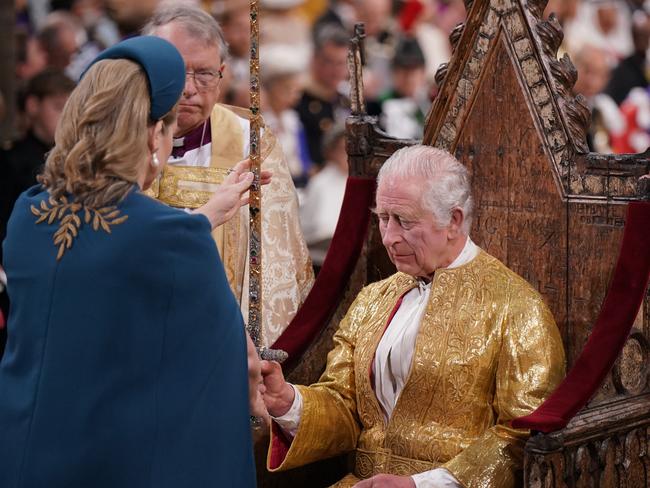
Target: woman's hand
[232, 194]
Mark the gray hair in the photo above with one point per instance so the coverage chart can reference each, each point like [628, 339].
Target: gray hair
[196, 22]
[330, 34]
[447, 179]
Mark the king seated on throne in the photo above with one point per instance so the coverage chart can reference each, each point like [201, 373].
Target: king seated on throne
[430, 365]
[210, 139]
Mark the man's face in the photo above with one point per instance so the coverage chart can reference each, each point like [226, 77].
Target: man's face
[284, 92]
[197, 101]
[593, 71]
[44, 115]
[329, 66]
[415, 243]
[408, 82]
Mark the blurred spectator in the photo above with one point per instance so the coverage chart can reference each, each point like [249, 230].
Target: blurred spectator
[66, 44]
[234, 19]
[323, 198]
[282, 23]
[130, 15]
[93, 17]
[60, 39]
[633, 135]
[593, 65]
[605, 24]
[593, 68]
[323, 103]
[282, 82]
[30, 57]
[632, 71]
[379, 44]
[419, 20]
[45, 97]
[405, 106]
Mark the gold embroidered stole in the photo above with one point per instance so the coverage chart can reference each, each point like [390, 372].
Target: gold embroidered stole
[191, 187]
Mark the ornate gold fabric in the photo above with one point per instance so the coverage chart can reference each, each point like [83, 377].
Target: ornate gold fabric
[69, 222]
[487, 351]
[287, 275]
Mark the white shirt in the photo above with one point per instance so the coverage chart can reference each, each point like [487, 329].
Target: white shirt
[392, 365]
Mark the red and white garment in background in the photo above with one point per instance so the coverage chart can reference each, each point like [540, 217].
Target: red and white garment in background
[635, 115]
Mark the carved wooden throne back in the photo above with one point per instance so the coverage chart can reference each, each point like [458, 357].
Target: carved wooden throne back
[545, 206]
[551, 211]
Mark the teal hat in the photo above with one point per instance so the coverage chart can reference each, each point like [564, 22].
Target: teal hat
[161, 62]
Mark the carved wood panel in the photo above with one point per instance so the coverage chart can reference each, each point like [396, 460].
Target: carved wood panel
[520, 215]
[617, 460]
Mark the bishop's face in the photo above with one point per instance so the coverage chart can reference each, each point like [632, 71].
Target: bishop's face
[416, 244]
[204, 69]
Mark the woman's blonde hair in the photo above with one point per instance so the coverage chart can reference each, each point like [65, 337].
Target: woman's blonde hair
[101, 141]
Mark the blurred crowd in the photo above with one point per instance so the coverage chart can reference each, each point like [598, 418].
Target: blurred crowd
[304, 77]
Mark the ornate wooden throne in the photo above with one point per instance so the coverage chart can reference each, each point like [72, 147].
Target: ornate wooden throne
[545, 206]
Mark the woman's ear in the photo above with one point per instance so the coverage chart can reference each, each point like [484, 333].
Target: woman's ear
[155, 136]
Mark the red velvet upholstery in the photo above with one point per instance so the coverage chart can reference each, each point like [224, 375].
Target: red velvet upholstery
[617, 314]
[339, 263]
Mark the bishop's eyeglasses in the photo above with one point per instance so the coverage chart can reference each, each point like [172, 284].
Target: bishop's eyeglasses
[205, 79]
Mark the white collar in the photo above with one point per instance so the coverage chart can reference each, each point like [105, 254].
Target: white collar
[469, 252]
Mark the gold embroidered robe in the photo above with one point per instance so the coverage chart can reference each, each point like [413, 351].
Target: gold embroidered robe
[287, 274]
[487, 351]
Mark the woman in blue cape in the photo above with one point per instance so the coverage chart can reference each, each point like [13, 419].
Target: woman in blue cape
[126, 357]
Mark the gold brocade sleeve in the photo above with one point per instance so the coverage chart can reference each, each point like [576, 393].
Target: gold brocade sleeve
[329, 424]
[529, 368]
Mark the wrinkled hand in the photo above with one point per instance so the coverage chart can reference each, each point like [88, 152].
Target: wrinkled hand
[387, 481]
[279, 394]
[232, 194]
[256, 387]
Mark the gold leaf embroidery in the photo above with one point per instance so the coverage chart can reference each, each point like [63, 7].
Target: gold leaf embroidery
[70, 223]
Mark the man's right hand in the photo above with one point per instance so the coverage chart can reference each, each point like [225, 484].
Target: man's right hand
[279, 394]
